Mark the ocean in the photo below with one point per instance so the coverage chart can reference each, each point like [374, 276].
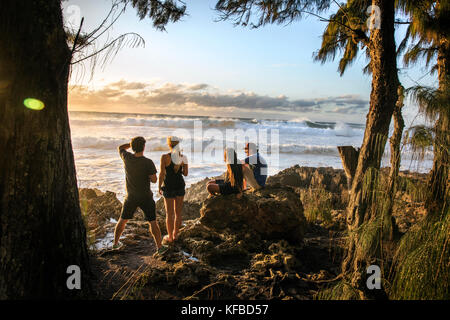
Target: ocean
[283, 143]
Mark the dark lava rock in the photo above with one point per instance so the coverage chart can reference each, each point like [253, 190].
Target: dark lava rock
[99, 206]
[274, 212]
[333, 180]
[195, 195]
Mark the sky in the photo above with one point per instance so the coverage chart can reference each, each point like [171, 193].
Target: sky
[202, 66]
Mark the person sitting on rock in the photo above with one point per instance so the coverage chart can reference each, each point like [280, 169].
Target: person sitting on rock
[234, 180]
[174, 166]
[139, 171]
[254, 167]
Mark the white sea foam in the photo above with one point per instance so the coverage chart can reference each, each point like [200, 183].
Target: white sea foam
[96, 136]
[342, 129]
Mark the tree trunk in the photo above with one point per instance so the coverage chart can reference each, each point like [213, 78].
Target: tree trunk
[382, 102]
[41, 228]
[349, 157]
[395, 141]
[439, 181]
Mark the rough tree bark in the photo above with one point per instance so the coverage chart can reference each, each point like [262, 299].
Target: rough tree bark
[395, 141]
[349, 157]
[382, 102]
[439, 180]
[41, 228]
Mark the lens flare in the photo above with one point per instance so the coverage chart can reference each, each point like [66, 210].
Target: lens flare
[33, 104]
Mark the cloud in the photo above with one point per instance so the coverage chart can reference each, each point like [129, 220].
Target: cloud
[124, 85]
[179, 97]
[348, 110]
[199, 86]
[353, 102]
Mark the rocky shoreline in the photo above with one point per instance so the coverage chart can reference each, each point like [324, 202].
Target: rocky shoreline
[282, 242]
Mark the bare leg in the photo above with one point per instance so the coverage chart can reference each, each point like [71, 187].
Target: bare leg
[170, 213]
[120, 226]
[178, 215]
[156, 232]
[250, 178]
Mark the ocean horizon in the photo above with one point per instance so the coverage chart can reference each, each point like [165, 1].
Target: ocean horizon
[283, 143]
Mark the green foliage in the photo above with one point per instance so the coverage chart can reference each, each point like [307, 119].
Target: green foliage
[429, 22]
[371, 234]
[431, 101]
[420, 138]
[256, 13]
[161, 12]
[90, 235]
[416, 190]
[370, 186]
[422, 262]
[83, 38]
[317, 204]
[86, 48]
[377, 227]
[340, 291]
[345, 32]
[419, 51]
[376, 230]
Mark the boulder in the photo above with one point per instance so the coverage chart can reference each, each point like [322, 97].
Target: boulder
[274, 212]
[330, 183]
[332, 180]
[98, 209]
[102, 206]
[195, 195]
[190, 210]
[87, 194]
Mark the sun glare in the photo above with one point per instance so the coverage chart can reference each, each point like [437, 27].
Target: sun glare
[34, 104]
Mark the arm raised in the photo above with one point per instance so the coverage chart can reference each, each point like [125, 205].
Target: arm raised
[124, 147]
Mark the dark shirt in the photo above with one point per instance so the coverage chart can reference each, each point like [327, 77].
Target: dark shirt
[259, 167]
[137, 174]
[174, 179]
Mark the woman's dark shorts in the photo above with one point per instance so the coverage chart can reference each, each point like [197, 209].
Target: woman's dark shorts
[225, 188]
[169, 194]
[147, 204]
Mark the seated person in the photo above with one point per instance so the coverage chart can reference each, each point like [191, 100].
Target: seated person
[255, 167]
[234, 181]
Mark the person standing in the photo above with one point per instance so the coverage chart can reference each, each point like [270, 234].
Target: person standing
[139, 172]
[174, 166]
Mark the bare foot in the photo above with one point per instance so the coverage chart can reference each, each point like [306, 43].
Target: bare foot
[166, 239]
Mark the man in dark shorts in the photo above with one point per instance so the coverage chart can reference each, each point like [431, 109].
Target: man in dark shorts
[139, 171]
